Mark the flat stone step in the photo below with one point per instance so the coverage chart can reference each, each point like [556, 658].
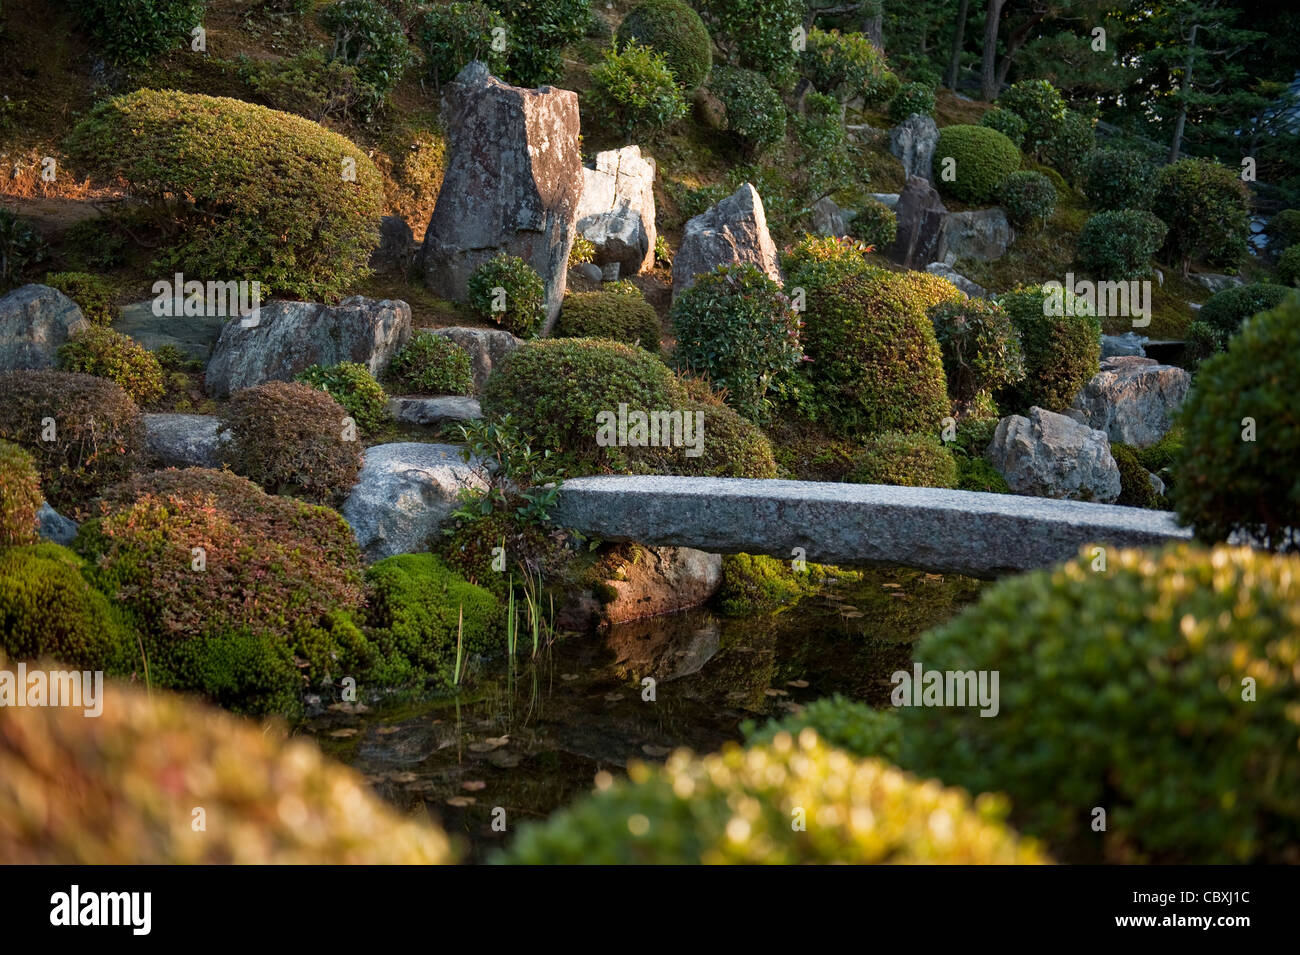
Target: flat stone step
[966, 532]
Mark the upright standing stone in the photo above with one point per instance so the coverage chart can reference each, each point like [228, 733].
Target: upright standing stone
[513, 184]
[617, 212]
[920, 214]
[913, 141]
[732, 232]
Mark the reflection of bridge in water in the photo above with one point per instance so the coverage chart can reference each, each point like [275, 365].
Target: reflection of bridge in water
[968, 532]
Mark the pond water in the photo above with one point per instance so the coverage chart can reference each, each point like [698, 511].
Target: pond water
[530, 738]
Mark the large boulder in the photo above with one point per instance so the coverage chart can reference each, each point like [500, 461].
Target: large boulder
[1051, 455]
[731, 233]
[617, 211]
[913, 141]
[982, 234]
[404, 494]
[1133, 399]
[183, 440]
[920, 214]
[647, 582]
[486, 347]
[513, 184]
[34, 321]
[195, 335]
[289, 337]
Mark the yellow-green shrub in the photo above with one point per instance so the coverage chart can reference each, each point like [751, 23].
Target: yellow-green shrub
[106, 353]
[20, 496]
[270, 197]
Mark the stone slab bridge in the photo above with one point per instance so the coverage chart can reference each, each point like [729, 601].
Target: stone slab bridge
[965, 532]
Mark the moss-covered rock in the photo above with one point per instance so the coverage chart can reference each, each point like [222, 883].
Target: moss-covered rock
[756, 583]
[418, 607]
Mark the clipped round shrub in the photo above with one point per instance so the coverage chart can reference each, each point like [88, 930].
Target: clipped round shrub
[266, 197]
[47, 609]
[537, 32]
[229, 619]
[291, 438]
[634, 91]
[1042, 108]
[856, 728]
[1028, 197]
[356, 391]
[1288, 266]
[368, 37]
[1135, 481]
[94, 431]
[736, 326]
[904, 460]
[454, 35]
[912, 98]
[675, 30]
[875, 224]
[106, 353]
[1072, 144]
[754, 112]
[1007, 123]
[735, 807]
[431, 364]
[508, 291]
[1236, 474]
[92, 294]
[130, 31]
[929, 290]
[1225, 310]
[1206, 207]
[621, 315]
[848, 65]
[417, 603]
[983, 157]
[981, 349]
[874, 355]
[20, 496]
[1118, 244]
[1118, 179]
[1061, 352]
[1124, 688]
[733, 446]
[148, 760]
[555, 388]
[756, 33]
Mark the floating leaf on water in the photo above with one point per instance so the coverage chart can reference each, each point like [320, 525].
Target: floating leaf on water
[489, 744]
[345, 732]
[460, 802]
[797, 684]
[568, 676]
[651, 750]
[613, 697]
[855, 614]
[773, 691]
[388, 730]
[403, 777]
[892, 586]
[473, 785]
[351, 708]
